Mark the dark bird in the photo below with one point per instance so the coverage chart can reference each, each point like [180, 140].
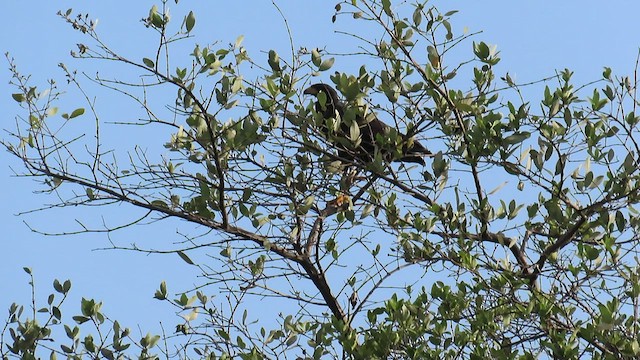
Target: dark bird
[332, 107]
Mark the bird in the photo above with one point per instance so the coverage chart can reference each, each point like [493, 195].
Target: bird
[412, 151]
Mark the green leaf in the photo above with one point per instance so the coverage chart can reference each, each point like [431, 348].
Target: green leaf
[246, 194]
[34, 121]
[182, 301]
[55, 311]
[326, 64]
[447, 26]
[77, 112]
[226, 252]
[596, 182]
[157, 20]
[272, 87]
[241, 343]
[386, 6]
[231, 104]
[57, 286]
[148, 62]
[190, 21]
[306, 204]
[149, 341]
[481, 50]
[90, 194]
[161, 294]
[223, 334]
[184, 257]
[308, 201]
[596, 102]
[291, 340]
[516, 138]
[274, 60]
[354, 133]
[159, 203]
[80, 319]
[434, 58]
[18, 97]
[608, 91]
[239, 41]
[108, 354]
[417, 16]
[30, 140]
[66, 286]
[316, 59]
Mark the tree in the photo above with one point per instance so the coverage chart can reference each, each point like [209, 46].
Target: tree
[515, 241]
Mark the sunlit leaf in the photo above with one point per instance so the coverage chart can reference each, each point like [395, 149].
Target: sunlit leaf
[326, 64]
[18, 97]
[77, 112]
[148, 62]
[185, 258]
[190, 21]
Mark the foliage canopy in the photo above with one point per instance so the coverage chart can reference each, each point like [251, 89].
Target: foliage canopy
[517, 240]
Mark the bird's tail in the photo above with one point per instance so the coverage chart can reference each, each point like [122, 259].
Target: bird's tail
[416, 154]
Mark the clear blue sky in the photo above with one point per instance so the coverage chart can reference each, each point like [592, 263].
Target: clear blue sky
[534, 39]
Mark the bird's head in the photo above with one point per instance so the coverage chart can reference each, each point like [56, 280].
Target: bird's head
[328, 102]
[315, 89]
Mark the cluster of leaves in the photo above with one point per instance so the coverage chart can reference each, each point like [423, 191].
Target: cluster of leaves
[33, 333]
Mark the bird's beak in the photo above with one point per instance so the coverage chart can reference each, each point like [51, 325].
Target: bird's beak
[310, 91]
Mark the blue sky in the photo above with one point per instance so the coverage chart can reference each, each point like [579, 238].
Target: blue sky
[534, 39]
